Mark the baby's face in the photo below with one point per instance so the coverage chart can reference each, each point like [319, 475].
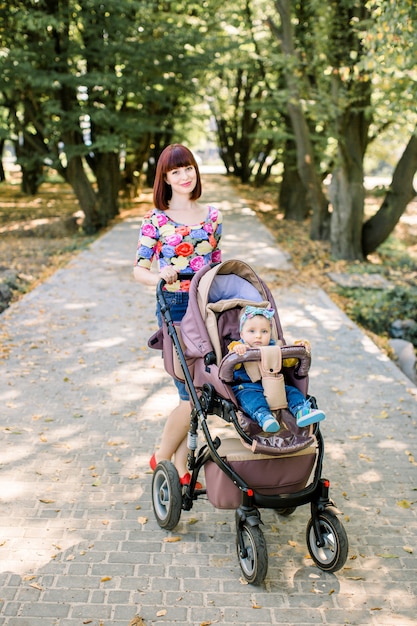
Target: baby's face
[256, 331]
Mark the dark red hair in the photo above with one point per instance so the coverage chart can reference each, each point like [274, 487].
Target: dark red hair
[173, 156]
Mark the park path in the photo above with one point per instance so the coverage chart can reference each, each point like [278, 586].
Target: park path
[82, 404]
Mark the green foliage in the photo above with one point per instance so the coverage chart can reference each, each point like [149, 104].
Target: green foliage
[377, 310]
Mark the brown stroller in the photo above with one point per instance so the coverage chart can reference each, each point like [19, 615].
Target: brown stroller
[251, 470]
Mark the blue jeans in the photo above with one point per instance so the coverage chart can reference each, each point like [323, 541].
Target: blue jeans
[177, 303]
[251, 399]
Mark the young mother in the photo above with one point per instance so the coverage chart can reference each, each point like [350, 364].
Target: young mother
[180, 235]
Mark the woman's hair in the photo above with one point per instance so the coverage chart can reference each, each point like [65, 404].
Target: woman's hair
[173, 156]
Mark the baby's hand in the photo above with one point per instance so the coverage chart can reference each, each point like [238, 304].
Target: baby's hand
[239, 348]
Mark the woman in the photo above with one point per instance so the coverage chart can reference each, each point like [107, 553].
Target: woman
[181, 235]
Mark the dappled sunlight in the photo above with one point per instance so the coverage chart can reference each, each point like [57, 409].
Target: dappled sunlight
[393, 444]
[337, 452]
[100, 344]
[77, 306]
[372, 476]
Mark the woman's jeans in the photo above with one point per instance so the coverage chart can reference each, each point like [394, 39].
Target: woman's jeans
[177, 303]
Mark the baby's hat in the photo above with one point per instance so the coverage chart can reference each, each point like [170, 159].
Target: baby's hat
[250, 311]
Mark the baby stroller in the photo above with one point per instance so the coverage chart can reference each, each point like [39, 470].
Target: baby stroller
[251, 470]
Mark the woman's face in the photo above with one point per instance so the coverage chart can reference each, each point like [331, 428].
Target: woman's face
[182, 179]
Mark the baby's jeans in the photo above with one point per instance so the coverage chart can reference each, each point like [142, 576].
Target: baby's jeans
[250, 397]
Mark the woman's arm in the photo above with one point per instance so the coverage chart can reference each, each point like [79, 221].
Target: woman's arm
[146, 277]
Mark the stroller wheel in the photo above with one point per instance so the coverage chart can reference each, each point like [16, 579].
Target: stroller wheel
[286, 512]
[166, 495]
[252, 553]
[333, 554]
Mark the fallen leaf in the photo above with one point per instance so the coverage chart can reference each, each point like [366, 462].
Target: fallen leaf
[256, 606]
[137, 621]
[387, 555]
[291, 543]
[142, 520]
[36, 586]
[105, 579]
[408, 549]
[161, 613]
[193, 520]
[205, 623]
[243, 581]
[382, 416]
[172, 539]
[46, 501]
[404, 504]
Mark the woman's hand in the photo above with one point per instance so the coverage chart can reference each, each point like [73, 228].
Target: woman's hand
[169, 274]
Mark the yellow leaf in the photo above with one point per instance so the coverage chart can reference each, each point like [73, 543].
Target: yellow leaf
[137, 621]
[45, 501]
[36, 586]
[293, 544]
[387, 555]
[105, 579]
[205, 623]
[404, 504]
[256, 606]
[142, 520]
[408, 549]
[193, 520]
[161, 613]
[172, 539]
[382, 416]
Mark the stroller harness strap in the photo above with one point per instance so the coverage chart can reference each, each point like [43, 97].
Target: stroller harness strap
[268, 370]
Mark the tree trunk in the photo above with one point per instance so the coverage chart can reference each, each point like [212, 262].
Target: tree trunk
[305, 154]
[347, 197]
[108, 182]
[86, 196]
[376, 230]
[347, 193]
[2, 172]
[292, 194]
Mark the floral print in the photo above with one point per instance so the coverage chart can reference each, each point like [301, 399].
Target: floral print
[187, 248]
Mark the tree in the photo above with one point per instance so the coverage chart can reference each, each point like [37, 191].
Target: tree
[87, 81]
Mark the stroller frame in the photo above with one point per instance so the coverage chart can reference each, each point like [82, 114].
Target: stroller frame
[325, 535]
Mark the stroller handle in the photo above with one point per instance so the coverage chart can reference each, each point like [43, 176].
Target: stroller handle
[232, 359]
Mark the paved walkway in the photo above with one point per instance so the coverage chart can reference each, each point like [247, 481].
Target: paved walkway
[82, 405]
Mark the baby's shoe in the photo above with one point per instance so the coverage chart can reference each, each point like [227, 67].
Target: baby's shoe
[307, 416]
[270, 424]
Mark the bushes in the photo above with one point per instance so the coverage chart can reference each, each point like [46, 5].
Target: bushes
[377, 310]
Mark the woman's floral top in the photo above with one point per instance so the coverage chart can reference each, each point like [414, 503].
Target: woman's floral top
[187, 248]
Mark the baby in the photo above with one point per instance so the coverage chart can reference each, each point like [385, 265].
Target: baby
[255, 331]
